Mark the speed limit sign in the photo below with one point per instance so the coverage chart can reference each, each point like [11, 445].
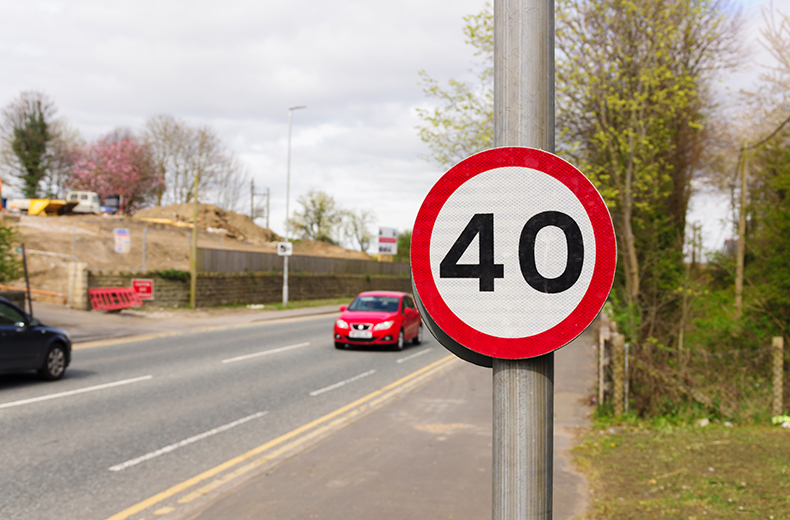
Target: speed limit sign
[513, 255]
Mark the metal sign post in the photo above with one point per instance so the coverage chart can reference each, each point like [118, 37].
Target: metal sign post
[523, 412]
[513, 255]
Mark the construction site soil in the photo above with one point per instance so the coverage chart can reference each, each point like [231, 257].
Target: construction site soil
[52, 242]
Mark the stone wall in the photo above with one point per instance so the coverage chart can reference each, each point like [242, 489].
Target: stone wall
[243, 288]
[15, 297]
[78, 286]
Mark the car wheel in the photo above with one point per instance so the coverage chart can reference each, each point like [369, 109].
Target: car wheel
[54, 363]
[418, 338]
[340, 345]
[401, 341]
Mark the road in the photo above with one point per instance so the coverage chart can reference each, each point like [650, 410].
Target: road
[131, 420]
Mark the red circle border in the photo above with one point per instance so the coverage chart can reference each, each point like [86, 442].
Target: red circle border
[603, 272]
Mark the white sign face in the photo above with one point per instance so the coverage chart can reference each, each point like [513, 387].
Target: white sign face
[500, 312]
[285, 248]
[513, 254]
[388, 241]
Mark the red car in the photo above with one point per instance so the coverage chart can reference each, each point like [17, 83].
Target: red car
[379, 318]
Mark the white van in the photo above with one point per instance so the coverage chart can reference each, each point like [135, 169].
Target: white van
[89, 201]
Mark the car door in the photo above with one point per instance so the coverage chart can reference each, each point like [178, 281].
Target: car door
[19, 343]
[411, 320]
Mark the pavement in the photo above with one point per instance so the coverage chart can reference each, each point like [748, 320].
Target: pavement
[427, 454]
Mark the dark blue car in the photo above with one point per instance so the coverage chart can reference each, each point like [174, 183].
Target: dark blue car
[28, 344]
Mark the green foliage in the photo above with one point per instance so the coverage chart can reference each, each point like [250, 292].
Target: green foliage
[631, 100]
[767, 265]
[174, 275]
[27, 129]
[404, 246]
[10, 266]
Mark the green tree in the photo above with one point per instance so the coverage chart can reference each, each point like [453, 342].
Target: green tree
[320, 217]
[462, 122]
[632, 82]
[404, 246]
[10, 267]
[632, 97]
[28, 133]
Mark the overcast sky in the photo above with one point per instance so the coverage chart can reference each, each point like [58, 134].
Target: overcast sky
[238, 66]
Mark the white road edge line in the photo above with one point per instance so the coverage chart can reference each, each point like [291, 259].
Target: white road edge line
[265, 352]
[74, 392]
[401, 360]
[168, 449]
[341, 383]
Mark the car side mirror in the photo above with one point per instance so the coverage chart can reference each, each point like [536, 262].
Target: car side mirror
[34, 323]
[342, 308]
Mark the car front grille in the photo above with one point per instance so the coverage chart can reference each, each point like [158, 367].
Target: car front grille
[361, 326]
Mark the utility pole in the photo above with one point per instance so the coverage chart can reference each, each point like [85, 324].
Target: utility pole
[287, 201]
[267, 208]
[523, 443]
[193, 259]
[741, 252]
[252, 199]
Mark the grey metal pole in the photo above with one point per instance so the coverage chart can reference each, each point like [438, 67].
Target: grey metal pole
[287, 201]
[145, 240]
[523, 443]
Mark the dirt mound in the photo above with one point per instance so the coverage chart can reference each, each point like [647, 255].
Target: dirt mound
[213, 220]
[315, 248]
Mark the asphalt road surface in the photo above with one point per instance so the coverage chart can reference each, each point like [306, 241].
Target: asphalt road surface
[133, 419]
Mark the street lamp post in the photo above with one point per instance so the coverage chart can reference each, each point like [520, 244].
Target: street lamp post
[287, 201]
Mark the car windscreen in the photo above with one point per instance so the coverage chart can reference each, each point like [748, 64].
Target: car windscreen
[375, 303]
[11, 316]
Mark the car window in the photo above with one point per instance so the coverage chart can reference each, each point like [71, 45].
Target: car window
[10, 316]
[375, 303]
[407, 302]
[73, 196]
[84, 196]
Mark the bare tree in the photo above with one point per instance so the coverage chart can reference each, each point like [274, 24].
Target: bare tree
[180, 149]
[320, 217]
[357, 227]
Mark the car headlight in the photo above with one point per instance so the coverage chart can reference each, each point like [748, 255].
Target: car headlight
[384, 325]
[341, 324]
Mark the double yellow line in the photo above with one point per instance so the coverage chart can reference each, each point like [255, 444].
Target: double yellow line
[298, 437]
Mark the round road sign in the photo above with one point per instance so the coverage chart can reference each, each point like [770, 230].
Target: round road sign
[513, 255]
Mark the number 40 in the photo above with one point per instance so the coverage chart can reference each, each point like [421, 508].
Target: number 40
[486, 271]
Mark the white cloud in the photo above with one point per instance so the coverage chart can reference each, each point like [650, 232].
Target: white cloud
[238, 65]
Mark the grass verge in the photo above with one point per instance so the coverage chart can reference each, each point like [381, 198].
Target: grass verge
[647, 470]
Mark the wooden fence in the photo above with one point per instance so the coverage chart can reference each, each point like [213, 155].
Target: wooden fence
[233, 261]
[614, 377]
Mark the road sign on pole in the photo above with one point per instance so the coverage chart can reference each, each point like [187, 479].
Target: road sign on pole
[285, 248]
[513, 253]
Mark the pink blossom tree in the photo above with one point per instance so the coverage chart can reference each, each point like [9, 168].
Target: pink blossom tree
[117, 166]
